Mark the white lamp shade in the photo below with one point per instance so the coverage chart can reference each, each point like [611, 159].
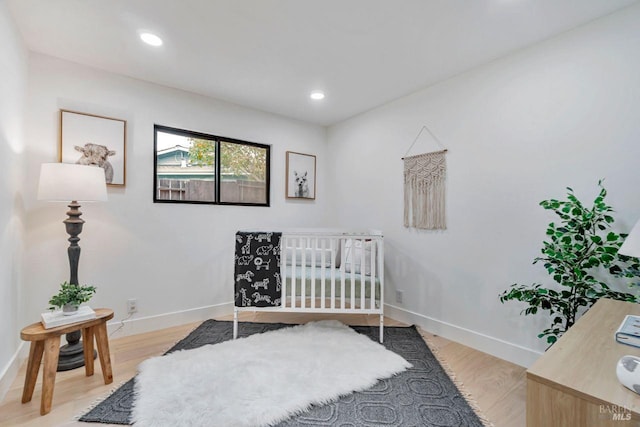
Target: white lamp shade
[65, 182]
[631, 245]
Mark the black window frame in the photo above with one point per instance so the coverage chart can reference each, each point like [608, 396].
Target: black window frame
[217, 173]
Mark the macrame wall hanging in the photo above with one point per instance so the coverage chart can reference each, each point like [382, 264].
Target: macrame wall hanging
[424, 188]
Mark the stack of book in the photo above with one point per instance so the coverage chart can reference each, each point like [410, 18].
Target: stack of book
[629, 331]
[52, 319]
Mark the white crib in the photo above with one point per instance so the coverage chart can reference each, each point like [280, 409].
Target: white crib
[324, 271]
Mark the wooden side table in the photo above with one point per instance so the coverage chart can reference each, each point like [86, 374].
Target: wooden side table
[47, 342]
[575, 384]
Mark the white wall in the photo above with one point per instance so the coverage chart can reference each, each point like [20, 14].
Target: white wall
[519, 130]
[13, 83]
[177, 260]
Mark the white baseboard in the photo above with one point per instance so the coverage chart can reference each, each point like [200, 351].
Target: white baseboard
[496, 347]
[121, 328]
[9, 373]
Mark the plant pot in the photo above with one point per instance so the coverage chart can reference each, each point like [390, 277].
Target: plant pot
[69, 309]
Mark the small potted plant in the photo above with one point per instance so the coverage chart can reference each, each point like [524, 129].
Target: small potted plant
[71, 296]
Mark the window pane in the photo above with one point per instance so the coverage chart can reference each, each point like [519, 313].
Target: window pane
[243, 170]
[185, 168]
[195, 167]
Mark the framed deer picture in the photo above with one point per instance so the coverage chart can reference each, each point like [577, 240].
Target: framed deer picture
[88, 139]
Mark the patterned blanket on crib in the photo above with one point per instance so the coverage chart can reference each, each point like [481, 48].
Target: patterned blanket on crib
[257, 269]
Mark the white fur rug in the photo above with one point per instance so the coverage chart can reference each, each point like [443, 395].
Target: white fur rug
[262, 379]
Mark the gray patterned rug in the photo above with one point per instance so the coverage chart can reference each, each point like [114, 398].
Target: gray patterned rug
[421, 396]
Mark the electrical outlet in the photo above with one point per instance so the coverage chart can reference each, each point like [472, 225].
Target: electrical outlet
[399, 296]
[132, 305]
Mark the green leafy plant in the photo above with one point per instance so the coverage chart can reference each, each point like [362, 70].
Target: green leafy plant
[202, 152]
[71, 294]
[581, 252]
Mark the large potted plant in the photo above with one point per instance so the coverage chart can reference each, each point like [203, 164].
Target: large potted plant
[71, 296]
[581, 255]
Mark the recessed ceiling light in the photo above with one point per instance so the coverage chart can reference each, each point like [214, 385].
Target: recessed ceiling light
[317, 95]
[151, 39]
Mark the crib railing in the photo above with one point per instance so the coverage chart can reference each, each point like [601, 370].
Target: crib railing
[330, 272]
[341, 272]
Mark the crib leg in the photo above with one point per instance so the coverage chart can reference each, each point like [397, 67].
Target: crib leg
[381, 328]
[235, 323]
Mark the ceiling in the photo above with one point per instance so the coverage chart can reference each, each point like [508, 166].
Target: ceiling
[270, 54]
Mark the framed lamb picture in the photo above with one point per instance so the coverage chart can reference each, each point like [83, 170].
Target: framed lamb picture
[301, 176]
[88, 139]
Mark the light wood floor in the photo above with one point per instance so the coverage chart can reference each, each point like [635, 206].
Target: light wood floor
[497, 387]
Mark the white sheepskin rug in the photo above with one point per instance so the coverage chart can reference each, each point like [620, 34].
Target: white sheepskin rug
[262, 379]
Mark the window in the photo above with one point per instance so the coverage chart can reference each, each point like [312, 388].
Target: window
[192, 167]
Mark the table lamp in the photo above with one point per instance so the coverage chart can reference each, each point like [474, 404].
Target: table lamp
[72, 183]
[631, 245]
